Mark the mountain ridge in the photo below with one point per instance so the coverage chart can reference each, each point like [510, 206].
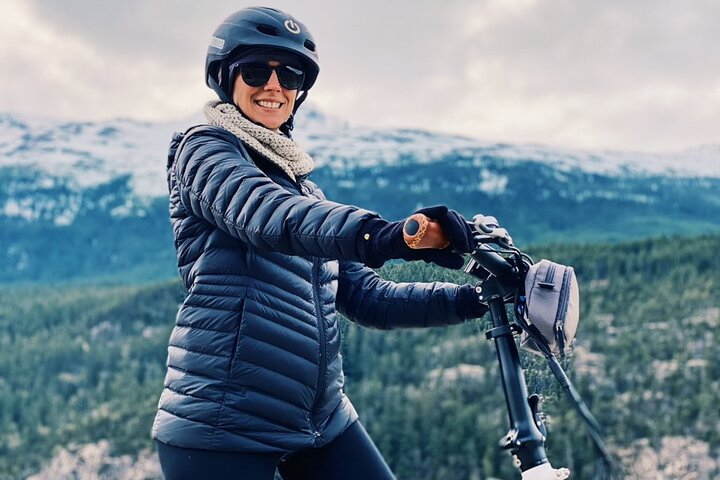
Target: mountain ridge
[84, 198]
[102, 149]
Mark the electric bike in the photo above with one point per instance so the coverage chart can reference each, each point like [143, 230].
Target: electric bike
[502, 270]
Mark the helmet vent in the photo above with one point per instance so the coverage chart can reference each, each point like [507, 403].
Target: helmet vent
[309, 45]
[267, 29]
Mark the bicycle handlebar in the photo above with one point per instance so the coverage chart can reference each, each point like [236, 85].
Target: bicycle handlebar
[494, 263]
[420, 232]
[524, 440]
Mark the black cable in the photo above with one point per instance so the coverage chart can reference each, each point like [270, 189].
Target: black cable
[606, 468]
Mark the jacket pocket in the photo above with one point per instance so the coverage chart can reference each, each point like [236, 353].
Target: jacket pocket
[236, 340]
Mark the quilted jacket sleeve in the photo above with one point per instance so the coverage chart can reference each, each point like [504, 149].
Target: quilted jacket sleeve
[371, 301]
[218, 182]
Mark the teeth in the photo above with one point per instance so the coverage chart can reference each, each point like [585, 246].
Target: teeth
[266, 104]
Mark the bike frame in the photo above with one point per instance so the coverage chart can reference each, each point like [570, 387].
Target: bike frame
[502, 281]
[526, 438]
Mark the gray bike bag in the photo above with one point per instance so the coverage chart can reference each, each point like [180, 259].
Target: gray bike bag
[552, 299]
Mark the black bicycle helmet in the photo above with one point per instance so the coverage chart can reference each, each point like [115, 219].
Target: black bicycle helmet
[258, 27]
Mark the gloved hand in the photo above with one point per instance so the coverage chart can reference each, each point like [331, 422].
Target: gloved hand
[457, 230]
[469, 305]
[381, 240]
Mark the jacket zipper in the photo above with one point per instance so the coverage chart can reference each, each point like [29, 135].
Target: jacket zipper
[320, 387]
[321, 337]
[562, 310]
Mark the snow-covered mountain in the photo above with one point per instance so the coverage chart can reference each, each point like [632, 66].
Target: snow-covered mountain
[98, 188]
[93, 153]
[332, 142]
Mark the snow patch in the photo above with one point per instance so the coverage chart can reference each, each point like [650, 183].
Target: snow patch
[20, 208]
[492, 183]
[80, 155]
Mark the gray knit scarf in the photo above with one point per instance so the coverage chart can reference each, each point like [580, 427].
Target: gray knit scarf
[274, 146]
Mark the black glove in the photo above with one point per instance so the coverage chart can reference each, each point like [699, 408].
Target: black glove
[469, 305]
[381, 240]
[457, 230]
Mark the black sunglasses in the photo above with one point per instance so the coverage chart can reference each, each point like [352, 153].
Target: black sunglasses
[258, 74]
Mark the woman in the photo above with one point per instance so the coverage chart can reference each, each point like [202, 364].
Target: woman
[255, 379]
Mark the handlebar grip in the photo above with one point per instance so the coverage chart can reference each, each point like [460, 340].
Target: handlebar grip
[421, 232]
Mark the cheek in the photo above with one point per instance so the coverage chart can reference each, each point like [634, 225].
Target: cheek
[291, 96]
[241, 92]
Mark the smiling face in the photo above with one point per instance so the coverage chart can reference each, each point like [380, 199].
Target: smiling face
[270, 105]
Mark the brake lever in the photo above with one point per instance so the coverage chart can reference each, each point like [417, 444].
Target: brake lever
[488, 225]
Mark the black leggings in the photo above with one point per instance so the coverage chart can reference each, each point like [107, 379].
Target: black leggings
[351, 456]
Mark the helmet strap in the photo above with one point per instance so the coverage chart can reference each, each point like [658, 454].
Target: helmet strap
[288, 126]
[299, 100]
[217, 87]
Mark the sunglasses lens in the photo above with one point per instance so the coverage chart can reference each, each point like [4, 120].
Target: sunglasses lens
[290, 78]
[255, 75]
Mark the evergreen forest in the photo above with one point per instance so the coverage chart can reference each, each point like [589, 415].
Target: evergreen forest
[82, 364]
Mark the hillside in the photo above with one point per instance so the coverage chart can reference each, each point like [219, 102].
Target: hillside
[82, 200]
[82, 368]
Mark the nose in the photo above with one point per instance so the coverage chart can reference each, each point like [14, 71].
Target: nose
[273, 83]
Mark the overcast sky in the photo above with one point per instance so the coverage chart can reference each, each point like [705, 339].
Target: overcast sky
[623, 74]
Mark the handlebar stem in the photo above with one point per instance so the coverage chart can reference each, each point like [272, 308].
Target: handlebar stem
[524, 440]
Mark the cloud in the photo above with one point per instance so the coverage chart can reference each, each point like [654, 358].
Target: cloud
[44, 65]
[72, 70]
[595, 74]
[582, 73]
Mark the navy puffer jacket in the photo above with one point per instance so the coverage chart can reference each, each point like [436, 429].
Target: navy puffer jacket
[253, 361]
